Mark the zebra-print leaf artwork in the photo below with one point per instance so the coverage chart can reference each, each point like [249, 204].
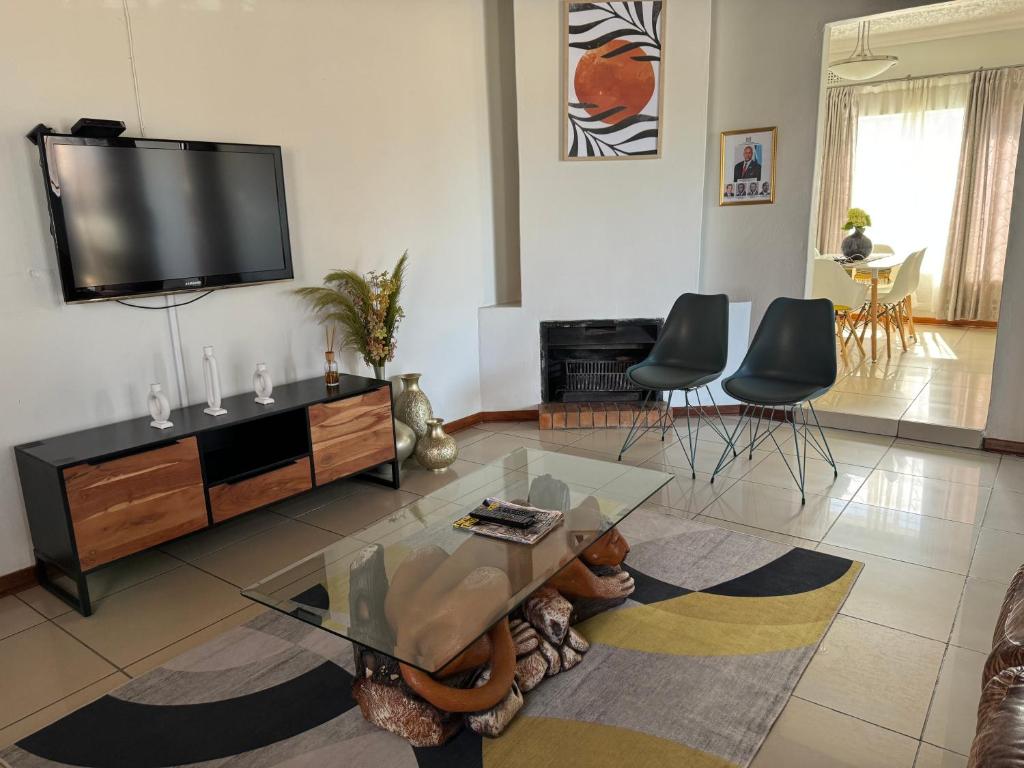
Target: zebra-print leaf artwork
[613, 79]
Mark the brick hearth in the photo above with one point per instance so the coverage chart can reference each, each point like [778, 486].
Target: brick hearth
[596, 415]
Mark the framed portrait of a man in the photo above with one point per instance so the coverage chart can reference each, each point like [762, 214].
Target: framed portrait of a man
[747, 175]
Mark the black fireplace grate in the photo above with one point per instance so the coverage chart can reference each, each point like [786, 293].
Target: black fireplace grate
[598, 376]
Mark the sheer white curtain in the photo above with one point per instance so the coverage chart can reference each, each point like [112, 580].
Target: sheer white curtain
[905, 168]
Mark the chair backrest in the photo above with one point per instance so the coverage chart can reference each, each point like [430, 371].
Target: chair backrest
[878, 248]
[695, 334]
[796, 340]
[833, 283]
[907, 277]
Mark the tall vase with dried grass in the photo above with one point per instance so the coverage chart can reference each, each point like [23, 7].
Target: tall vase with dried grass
[365, 307]
[332, 375]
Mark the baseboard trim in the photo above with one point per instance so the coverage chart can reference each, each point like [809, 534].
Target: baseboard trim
[956, 323]
[17, 581]
[994, 444]
[527, 414]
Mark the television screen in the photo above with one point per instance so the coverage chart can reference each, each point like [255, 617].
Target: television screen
[135, 216]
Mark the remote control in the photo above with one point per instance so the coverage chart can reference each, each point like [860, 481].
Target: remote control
[503, 517]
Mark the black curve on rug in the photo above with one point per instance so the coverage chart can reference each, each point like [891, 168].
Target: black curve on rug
[466, 750]
[651, 590]
[113, 733]
[799, 570]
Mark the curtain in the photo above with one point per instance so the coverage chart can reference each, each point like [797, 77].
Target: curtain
[905, 167]
[972, 278]
[836, 166]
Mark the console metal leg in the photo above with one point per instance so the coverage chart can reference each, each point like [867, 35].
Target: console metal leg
[79, 601]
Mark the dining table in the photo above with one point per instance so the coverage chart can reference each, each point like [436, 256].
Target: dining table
[874, 264]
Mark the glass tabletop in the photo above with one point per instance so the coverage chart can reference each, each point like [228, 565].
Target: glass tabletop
[413, 587]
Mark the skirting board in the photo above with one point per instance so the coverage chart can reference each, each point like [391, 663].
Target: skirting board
[528, 414]
[996, 445]
[17, 581]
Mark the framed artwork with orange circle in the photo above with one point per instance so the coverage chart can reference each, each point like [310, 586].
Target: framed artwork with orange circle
[612, 80]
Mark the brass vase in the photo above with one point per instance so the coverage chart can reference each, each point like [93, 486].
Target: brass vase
[436, 450]
[412, 405]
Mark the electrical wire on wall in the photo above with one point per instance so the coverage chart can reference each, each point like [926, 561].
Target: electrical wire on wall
[193, 300]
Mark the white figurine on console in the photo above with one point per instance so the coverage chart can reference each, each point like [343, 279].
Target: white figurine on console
[263, 385]
[212, 378]
[159, 407]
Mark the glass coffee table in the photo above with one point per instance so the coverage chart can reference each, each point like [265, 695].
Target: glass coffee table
[444, 621]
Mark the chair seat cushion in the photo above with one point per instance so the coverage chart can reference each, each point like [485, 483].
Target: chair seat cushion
[759, 390]
[661, 377]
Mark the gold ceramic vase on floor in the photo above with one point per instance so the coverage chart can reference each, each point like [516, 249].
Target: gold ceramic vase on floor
[436, 450]
[412, 405]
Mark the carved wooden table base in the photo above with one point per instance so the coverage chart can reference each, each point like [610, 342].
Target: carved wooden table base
[483, 686]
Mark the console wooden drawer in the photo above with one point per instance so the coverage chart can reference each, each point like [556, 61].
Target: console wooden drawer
[351, 435]
[233, 499]
[126, 505]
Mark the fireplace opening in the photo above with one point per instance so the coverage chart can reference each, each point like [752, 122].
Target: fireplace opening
[585, 361]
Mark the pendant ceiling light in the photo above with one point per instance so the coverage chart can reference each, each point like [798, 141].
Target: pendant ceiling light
[862, 63]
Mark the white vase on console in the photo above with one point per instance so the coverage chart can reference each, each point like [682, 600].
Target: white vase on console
[159, 407]
[212, 378]
[262, 383]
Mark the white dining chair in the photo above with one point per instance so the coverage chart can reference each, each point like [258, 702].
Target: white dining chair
[847, 295]
[895, 302]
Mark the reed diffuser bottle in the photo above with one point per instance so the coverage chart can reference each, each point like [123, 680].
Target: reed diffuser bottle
[332, 377]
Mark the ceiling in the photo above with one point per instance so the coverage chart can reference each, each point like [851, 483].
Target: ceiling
[932, 22]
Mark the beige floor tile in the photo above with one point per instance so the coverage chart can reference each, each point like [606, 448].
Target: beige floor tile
[609, 442]
[820, 479]
[575, 470]
[469, 436]
[1010, 476]
[358, 510]
[44, 602]
[924, 496]
[781, 538]
[809, 736]
[933, 757]
[953, 714]
[906, 389]
[123, 574]
[874, 673]
[884, 370]
[909, 457]
[776, 509]
[529, 429]
[318, 497]
[928, 408]
[250, 560]
[16, 616]
[42, 665]
[460, 478]
[707, 457]
[687, 494]
[911, 598]
[905, 536]
[976, 618]
[496, 446]
[141, 620]
[863, 405]
[998, 556]
[203, 635]
[957, 378]
[629, 459]
[857, 448]
[203, 543]
[47, 715]
[1005, 511]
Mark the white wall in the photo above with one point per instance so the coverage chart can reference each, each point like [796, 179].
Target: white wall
[1005, 414]
[381, 112]
[599, 239]
[758, 252]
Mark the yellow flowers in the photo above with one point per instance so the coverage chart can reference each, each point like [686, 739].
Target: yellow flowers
[857, 218]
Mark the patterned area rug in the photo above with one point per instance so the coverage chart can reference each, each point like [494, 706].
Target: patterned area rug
[692, 671]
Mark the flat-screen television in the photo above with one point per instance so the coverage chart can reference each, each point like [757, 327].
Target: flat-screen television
[138, 216]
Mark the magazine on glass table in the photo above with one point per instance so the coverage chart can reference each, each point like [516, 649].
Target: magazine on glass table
[532, 523]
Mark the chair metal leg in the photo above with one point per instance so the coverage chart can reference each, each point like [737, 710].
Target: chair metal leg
[669, 418]
[633, 435]
[724, 434]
